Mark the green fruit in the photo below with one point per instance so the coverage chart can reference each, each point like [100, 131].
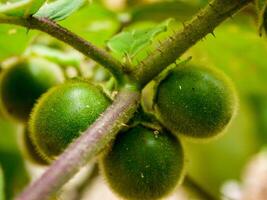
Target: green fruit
[23, 82]
[29, 150]
[63, 113]
[195, 101]
[143, 163]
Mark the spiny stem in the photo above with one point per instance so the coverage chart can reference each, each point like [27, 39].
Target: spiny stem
[63, 34]
[91, 143]
[202, 24]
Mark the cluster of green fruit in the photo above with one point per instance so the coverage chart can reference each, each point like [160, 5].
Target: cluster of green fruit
[144, 161]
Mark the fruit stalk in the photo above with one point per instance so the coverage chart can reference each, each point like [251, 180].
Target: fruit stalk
[173, 47]
[84, 148]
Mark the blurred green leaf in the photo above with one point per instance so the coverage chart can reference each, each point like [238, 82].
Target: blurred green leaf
[94, 23]
[2, 182]
[21, 8]
[130, 43]
[59, 9]
[238, 51]
[13, 40]
[258, 104]
[7, 140]
[158, 11]
[16, 176]
[55, 55]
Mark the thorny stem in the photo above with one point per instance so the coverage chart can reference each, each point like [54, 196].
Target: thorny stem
[63, 34]
[91, 143]
[202, 24]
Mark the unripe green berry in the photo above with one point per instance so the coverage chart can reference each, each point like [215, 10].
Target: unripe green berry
[143, 163]
[23, 82]
[63, 113]
[195, 101]
[29, 151]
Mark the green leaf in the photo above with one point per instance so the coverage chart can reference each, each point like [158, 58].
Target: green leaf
[54, 55]
[2, 194]
[15, 173]
[130, 43]
[13, 40]
[161, 10]
[59, 9]
[100, 24]
[21, 8]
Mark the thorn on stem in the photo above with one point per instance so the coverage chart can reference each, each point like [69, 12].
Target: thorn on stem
[125, 125]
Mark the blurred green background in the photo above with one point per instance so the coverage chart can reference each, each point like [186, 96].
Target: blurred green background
[236, 49]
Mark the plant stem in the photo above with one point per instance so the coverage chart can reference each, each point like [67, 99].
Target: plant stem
[192, 185]
[63, 34]
[202, 24]
[91, 143]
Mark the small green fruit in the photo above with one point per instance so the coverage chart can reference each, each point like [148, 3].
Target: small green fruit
[23, 82]
[63, 113]
[29, 150]
[195, 101]
[143, 163]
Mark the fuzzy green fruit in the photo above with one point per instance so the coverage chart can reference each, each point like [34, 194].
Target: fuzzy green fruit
[23, 82]
[195, 101]
[29, 151]
[143, 164]
[63, 113]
